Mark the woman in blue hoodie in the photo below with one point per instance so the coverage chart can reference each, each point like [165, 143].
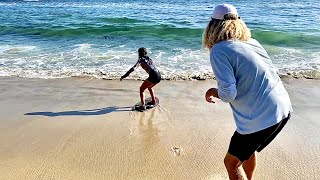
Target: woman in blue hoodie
[249, 82]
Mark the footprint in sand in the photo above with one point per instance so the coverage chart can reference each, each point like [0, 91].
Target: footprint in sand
[176, 151]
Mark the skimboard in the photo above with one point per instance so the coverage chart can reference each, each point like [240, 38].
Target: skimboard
[149, 105]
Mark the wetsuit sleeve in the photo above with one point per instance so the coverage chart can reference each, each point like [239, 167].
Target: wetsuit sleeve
[131, 70]
[137, 64]
[224, 74]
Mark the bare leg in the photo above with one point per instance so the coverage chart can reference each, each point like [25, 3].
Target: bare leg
[249, 165]
[144, 86]
[152, 94]
[234, 168]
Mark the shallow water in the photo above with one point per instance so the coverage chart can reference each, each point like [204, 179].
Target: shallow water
[47, 39]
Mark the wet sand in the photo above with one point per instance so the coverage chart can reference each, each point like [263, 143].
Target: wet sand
[82, 128]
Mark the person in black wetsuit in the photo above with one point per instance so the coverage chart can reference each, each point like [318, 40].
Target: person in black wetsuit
[154, 75]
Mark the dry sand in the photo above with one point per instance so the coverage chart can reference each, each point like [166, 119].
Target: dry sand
[80, 128]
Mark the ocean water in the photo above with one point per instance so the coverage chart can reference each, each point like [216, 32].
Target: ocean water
[100, 38]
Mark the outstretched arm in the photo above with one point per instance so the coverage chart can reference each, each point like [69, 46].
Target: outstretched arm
[127, 73]
[130, 71]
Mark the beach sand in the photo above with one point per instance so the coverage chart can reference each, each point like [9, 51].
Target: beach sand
[82, 128]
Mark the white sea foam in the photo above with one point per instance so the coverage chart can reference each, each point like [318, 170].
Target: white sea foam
[112, 62]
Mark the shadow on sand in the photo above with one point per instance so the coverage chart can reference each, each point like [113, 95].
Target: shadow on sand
[89, 112]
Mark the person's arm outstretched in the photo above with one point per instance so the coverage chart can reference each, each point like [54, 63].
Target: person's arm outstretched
[130, 71]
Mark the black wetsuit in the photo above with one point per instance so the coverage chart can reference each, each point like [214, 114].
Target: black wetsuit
[147, 64]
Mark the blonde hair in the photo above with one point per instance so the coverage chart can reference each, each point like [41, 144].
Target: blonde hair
[230, 28]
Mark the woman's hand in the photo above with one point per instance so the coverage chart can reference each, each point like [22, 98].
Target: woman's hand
[212, 92]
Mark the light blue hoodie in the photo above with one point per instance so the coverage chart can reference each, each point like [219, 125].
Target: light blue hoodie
[249, 81]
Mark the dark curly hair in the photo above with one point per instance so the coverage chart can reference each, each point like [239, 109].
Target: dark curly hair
[142, 52]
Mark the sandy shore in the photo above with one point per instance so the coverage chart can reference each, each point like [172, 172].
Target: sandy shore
[80, 128]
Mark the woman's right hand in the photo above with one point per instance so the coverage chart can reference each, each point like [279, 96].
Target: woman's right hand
[212, 92]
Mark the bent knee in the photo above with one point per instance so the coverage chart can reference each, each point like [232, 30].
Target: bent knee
[142, 89]
[231, 162]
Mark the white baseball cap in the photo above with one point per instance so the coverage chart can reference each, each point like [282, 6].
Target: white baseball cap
[223, 9]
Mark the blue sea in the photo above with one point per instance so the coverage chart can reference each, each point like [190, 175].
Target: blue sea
[100, 38]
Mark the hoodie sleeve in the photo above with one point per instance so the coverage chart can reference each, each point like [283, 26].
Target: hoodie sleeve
[224, 74]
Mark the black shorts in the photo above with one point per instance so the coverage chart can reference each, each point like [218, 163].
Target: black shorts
[243, 146]
[154, 77]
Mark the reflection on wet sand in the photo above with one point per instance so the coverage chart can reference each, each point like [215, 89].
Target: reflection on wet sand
[149, 133]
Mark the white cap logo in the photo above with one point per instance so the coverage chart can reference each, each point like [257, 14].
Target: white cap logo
[223, 9]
